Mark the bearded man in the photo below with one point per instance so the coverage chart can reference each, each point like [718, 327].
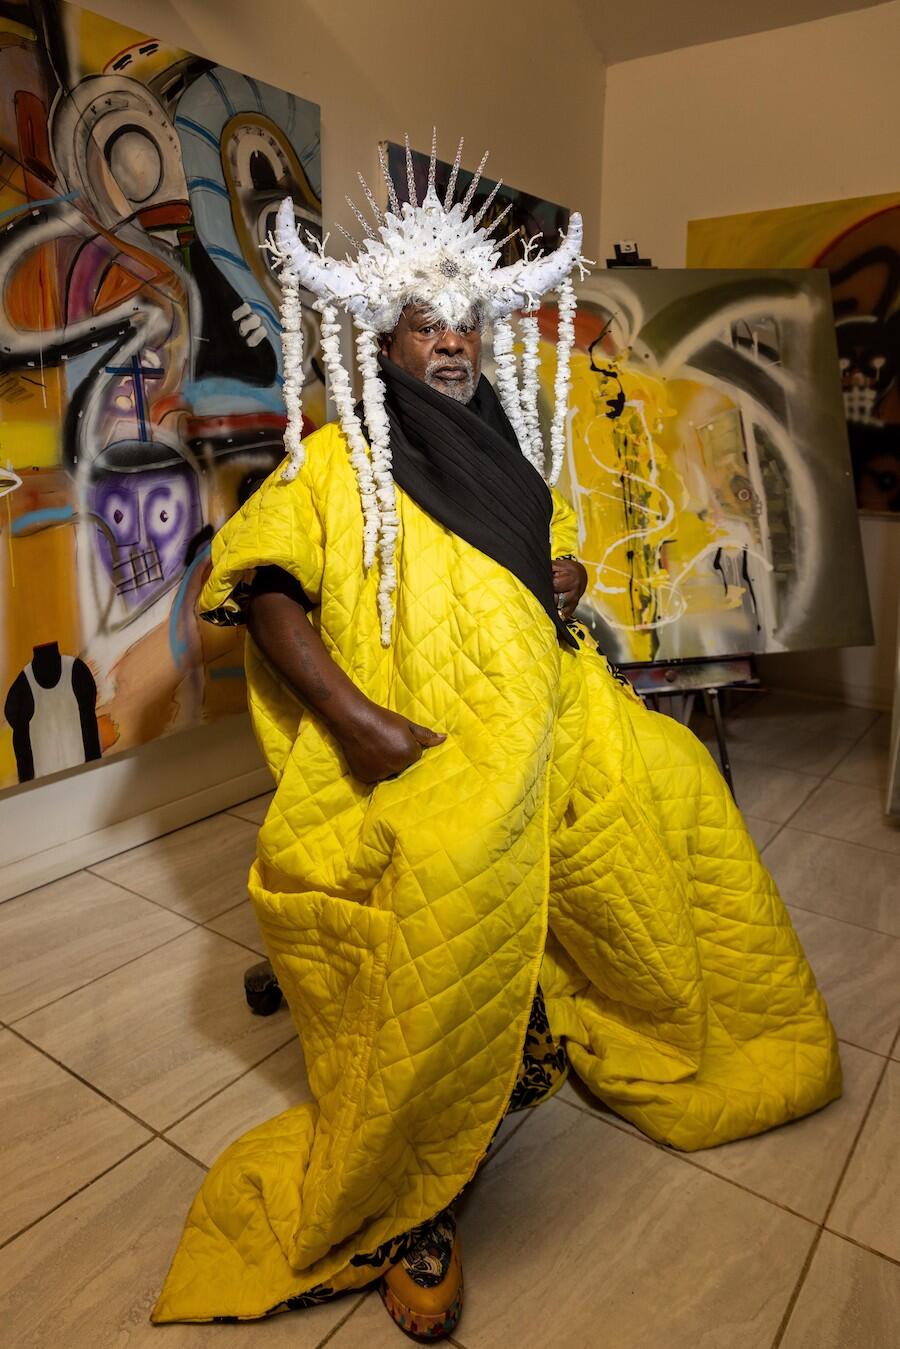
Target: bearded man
[484, 859]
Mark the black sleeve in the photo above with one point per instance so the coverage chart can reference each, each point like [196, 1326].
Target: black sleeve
[18, 711]
[85, 690]
[277, 581]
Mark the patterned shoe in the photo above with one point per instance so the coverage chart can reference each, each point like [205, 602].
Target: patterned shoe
[423, 1292]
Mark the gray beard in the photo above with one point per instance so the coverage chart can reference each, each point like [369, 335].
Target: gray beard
[462, 391]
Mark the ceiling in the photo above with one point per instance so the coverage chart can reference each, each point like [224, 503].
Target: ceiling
[625, 29]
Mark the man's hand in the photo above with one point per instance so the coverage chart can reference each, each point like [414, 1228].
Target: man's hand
[379, 744]
[569, 584]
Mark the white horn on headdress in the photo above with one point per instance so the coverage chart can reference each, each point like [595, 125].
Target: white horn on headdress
[327, 278]
[521, 284]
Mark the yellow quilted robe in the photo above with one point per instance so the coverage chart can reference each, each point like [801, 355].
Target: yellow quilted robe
[563, 832]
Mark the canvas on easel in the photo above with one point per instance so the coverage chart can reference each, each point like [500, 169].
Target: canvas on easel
[708, 463]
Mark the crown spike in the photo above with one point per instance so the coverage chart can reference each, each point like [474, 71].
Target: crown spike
[467, 199]
[500, 218]
[393, 199]
[432, 163]
[512, 234]
[370, 233]
[346, 233]
[487, 206]
[410, 176]
[370, 198]
[454, 174]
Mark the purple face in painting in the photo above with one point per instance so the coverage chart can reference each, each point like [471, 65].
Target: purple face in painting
[145, 521]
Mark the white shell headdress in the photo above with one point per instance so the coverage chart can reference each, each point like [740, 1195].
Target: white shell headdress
[433, 254]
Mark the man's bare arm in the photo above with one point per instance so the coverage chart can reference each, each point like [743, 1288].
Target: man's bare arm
[377, 743]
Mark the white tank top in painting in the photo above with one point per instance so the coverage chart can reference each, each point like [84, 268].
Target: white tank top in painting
[55, 728]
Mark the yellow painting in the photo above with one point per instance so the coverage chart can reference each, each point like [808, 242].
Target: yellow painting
[858, 241]
[140, 371]
[707, 462]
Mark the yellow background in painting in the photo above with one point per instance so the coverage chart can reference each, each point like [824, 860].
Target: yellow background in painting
[669, 524]
[792, 236]
[98, 41]
[30, 433]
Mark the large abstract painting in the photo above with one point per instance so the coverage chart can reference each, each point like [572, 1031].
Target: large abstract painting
[140, 371]
[708, 465]
[858, 241]
[523, 216]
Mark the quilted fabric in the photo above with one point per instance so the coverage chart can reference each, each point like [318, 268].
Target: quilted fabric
[562, 832]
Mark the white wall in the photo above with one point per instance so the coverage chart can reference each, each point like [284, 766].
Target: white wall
[524, 82]
[797, 115]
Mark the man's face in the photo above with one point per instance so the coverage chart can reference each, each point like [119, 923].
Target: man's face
[448, 359]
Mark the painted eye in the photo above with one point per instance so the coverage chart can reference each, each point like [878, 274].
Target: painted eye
[164, 516]
[118, 516]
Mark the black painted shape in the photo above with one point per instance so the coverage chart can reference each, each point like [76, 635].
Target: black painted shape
[19, 709]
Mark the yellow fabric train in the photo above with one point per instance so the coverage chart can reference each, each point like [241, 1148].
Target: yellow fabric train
[562, 833]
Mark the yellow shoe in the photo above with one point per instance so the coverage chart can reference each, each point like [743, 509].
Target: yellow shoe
[423, 1292]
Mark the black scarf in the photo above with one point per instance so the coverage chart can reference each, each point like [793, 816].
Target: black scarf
[462, 464]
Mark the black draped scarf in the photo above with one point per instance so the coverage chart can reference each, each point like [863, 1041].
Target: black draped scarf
[461, 463]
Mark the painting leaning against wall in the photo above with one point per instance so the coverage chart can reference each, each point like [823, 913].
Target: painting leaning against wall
[858, 241]
[140, 371]
[707, 461]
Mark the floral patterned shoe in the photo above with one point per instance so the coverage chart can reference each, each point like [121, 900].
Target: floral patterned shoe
[423, 1292]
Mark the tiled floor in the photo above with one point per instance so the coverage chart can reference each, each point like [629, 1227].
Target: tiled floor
[129, 1060]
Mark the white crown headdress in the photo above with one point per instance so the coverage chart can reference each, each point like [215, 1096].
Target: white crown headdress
[433, 254]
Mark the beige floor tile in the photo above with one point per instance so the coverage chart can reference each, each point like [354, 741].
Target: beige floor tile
[868, 1205]
[575, 1093]
[867, 762]
[164, 1033]
[240, 925]
[88, 1275]
[579, 1235]
[199, 871]
[841, 880]
[65, 934]
[770, 793]
[272, 1086]
[857, 971]
[854, 814]
[799, 1164]
[254, 810]
[803, 734]
[55, 1134]
[783, 709]
[762, 831]
[849, 1300]
[766, 794]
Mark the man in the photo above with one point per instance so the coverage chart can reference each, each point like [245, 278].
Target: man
[480, 841]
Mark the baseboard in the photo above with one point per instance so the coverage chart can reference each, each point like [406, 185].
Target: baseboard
[75, 854]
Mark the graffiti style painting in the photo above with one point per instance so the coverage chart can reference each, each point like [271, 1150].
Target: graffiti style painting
[858, 241]
[708, 465]
[140, 371]
[523, 216]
